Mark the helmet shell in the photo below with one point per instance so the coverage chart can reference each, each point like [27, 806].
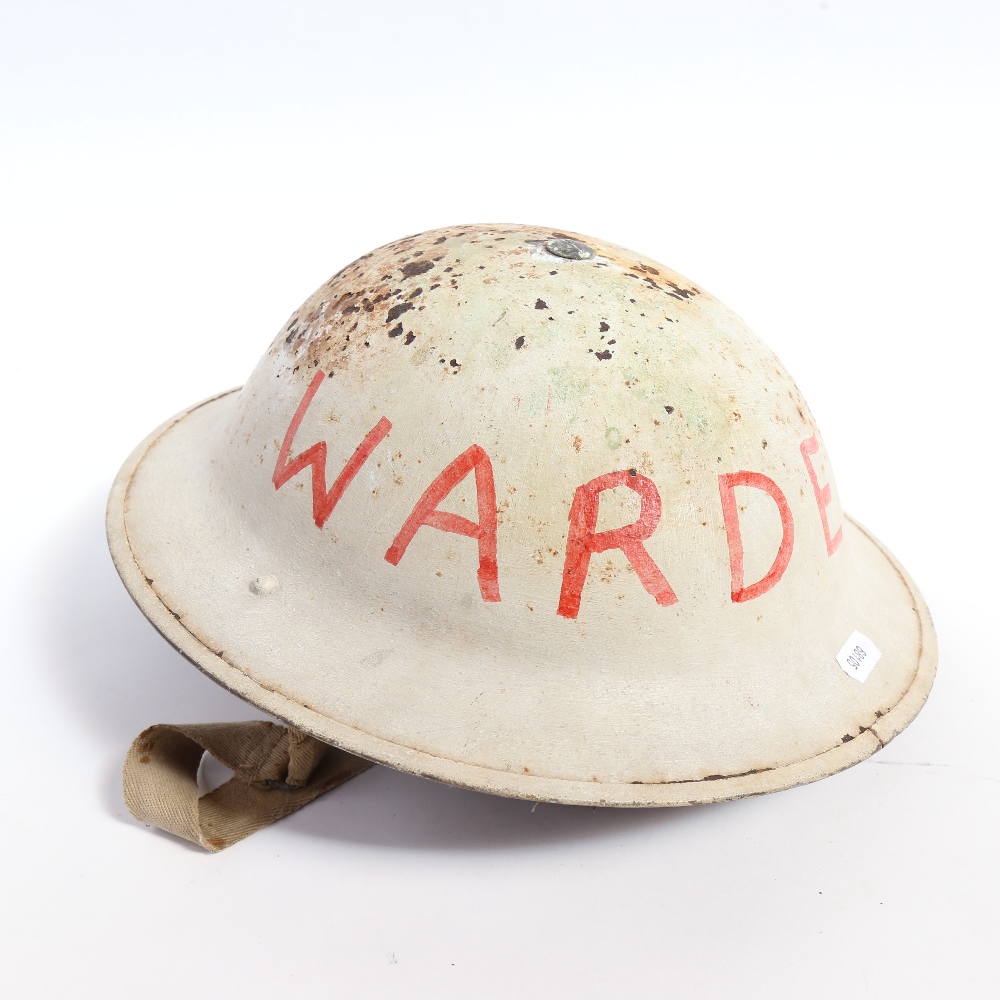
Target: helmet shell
[525, 511]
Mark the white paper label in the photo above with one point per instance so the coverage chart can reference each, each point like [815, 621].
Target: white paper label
[859, 656]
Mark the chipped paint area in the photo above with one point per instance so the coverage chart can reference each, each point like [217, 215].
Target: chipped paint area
[494, 293]
[380, 297]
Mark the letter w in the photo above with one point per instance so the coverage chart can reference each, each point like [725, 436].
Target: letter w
[324, 500]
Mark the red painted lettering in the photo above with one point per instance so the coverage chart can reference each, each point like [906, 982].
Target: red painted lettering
[808, 448]
[324, 501]
[727, 487]
[485, 532]
[584, 539]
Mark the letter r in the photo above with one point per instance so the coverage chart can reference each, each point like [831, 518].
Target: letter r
[584, 539]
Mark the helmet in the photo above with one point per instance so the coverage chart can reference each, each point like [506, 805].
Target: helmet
[526, 512]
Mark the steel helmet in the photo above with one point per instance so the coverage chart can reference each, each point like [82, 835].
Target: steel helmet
[526, 512]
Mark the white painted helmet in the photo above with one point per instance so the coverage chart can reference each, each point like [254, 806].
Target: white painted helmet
[527, 512]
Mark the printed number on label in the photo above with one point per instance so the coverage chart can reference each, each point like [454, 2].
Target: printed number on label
[859, 656]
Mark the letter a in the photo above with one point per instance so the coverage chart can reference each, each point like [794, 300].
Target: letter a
[584, 539]
[727, 488]
[485, 532]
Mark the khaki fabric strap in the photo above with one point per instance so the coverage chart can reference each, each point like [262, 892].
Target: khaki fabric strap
[276, 771]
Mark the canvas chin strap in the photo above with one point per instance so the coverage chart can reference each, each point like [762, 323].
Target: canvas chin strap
[277, 770]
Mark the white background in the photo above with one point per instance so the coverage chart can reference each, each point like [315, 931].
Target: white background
[176, 177]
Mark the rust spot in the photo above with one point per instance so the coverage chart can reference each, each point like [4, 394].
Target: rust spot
[577, 443]
[679, 292]
[416, 267]
[722, 777]
[397, 310]
[144, 759]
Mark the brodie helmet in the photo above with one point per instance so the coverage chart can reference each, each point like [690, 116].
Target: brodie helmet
[521, 511]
